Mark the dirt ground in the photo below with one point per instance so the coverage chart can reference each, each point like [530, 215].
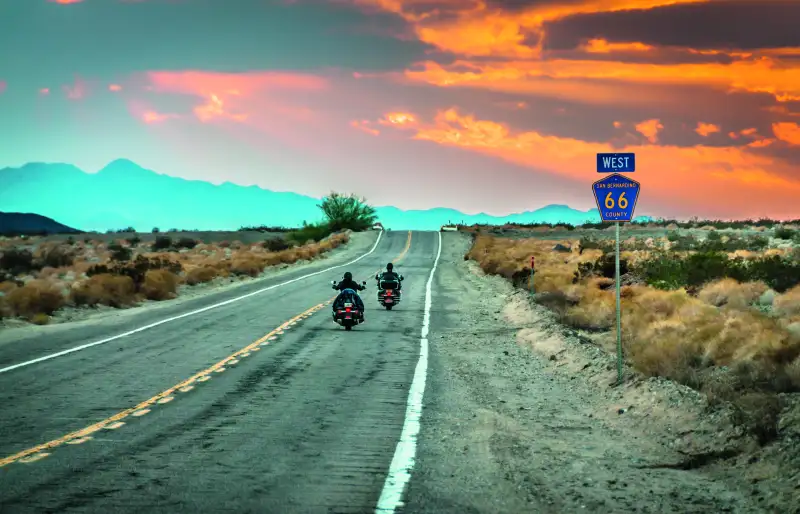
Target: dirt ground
[521, 415]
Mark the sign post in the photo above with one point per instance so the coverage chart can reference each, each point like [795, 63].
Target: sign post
[533, 270]
[616, 198]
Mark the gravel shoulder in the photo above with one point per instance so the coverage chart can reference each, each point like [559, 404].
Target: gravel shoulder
[521, 417]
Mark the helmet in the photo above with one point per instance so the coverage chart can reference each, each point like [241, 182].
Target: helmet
[348, 275]
[389, 267]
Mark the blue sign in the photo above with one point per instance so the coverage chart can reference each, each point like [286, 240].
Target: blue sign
[616, 162]
[616, 197]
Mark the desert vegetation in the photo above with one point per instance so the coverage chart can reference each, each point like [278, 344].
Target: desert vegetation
[39, 276]
[719, 313]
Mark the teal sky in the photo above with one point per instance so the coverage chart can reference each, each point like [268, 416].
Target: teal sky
[468, 104]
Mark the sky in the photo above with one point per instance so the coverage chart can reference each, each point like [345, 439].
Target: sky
[494, 106]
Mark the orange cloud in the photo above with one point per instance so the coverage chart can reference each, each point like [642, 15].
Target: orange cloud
[114, 87]
[398, 118]
[601, 46]
[749, 183]
[65, 2]
[706, 129]
[474, 28]
[649, 129]
[762, 75]
[364, 125]
[151, 117]
[787, 132]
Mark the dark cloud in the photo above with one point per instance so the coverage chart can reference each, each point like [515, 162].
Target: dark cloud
[43, 41]
[522, 5]
[661, 56]
[748, 24]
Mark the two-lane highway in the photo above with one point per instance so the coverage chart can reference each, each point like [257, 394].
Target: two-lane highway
[260, 405]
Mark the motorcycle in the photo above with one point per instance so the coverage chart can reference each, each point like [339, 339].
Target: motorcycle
[347, 314]
[388, 292]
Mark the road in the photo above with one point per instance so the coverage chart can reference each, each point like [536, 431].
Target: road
[306, 419]
[309, 418]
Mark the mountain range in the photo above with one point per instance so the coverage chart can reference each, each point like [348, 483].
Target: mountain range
[124, 194]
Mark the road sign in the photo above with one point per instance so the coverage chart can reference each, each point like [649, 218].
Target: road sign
[616, 162]
[616, 197]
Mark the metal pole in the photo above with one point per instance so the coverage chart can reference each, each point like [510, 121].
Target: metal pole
[619, 314]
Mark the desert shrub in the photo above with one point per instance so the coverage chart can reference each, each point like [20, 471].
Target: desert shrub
[275, 244]
[57, 256]
[785, 233]
[263, 228]
[309, 233]
[133, 241]
[731, 293]
[155, 230]
[787, 304]
[70, 241]
[162, 243]
[201, 275]
[126, 230]
[40, 319]
[119, 252]
[35, 297]
[591, 243]
[159, 284]
[16, 261]
[105, 289]
[778, 273]
[224, 244]
[186, 242]
[136, 269]
[605, 267]
[246, 265]
[347, 212]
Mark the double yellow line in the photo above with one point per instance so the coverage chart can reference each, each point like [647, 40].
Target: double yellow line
[38, 452]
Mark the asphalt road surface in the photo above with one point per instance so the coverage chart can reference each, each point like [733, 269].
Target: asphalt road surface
[306, 419]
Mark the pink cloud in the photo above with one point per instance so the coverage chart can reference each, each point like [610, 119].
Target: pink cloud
[114, 87]
[3, 86]
[77, 90]
[44, 91]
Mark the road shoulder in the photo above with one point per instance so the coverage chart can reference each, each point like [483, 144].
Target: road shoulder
[507, 429]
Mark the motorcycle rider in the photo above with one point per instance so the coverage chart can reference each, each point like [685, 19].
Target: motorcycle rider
[389, 275]
[348, 283]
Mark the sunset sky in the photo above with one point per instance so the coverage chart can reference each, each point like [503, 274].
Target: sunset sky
[480, 105]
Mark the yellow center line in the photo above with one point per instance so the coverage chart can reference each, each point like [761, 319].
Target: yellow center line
[197, 377]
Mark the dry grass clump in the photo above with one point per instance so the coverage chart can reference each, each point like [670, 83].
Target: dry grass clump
[788, 303]
[36, 297]
[728, 292]
[104, 289]
[160, 284]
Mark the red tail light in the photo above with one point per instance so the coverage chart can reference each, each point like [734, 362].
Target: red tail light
[347, 309]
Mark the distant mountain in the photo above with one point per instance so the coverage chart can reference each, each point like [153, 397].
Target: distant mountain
[124, 194]
[28, 223]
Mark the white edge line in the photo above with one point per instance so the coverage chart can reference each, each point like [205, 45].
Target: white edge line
[405, 453]
[184, 315]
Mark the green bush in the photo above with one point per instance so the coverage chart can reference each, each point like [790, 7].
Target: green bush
[605, 267]
[162, 243]
[778, 273]
[347, 212]
[186, 242]
[133, 241]
[16, 261]
[120, 253]
[275, 244]
[313, 232]
[785, 233]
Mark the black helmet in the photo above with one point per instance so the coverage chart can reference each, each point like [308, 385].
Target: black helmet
[348, 275]
[389, 266]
